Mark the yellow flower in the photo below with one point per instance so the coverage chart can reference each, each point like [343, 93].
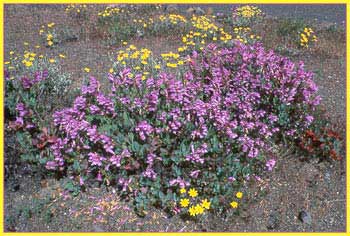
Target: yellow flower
[192, 211]
[173, 65]
[184, 202]
[182, 190]
[193, 192]
[143, 77]
[50, 43]
[199, 209]
[125, 43]
[28, 63]
[234, 204]
[132, 47]
[111, 70]
[41, 56]
[12, 52]
[87, 69]
[52, 60]
[37, 46]
[7, 62]
[239, 195]
[50, 25]
[158, 67]
[62, 56]
[25, 43]
[205, 204]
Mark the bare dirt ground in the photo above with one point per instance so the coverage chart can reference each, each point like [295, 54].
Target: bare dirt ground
[35, 203]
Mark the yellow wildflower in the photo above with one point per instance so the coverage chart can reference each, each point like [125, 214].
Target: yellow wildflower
[87, 69]
[184, 202]
[234, 204]
[199, 209]
[172, 65]
[239, 195]
[192, 211]
[62, 56]
[193, 192]
[205, 204]
[28, 63]
[182, 190]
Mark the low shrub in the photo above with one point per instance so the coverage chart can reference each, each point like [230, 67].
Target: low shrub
[245, 16]
[209, 129]
[33, 92]
[321, 140]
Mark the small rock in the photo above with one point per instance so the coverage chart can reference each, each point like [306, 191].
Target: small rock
[273, 221]
[15, 187]
[327, 177]
[190, 11]
[97, 228]
[210, 11]
[310, 172]
[305, 217]
[172, 9]
[199, 11]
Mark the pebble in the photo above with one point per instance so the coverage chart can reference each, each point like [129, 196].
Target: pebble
[97, 228]
[273, 221]
[305, 217]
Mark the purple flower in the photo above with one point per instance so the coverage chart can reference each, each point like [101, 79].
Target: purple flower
[149, 173]
[92, 88]
[144, 129]
[270, 164]
[51, 165]
[194, 174]
[179, 181]
[26, 83]
[197, 154]
[96, 159]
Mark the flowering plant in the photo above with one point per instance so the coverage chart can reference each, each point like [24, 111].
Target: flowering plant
[33, 91]
[209, 128]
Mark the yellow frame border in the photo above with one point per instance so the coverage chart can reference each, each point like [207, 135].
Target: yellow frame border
[2, 2]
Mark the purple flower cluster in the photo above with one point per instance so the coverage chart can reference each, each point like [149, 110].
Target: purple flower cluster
[197, 154]
[23, 118]
[27, 83]
[79, 134]
[234, 94]
[144, 129]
